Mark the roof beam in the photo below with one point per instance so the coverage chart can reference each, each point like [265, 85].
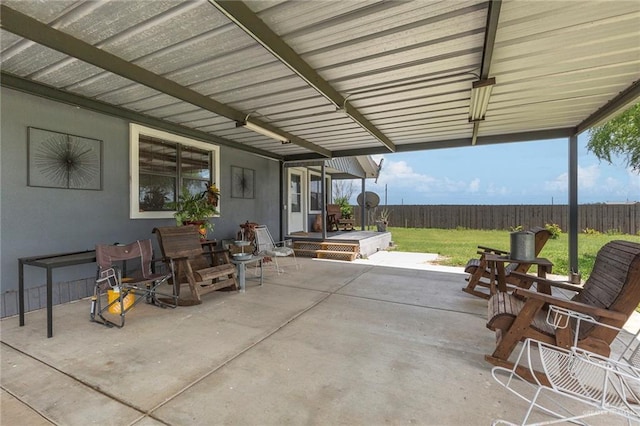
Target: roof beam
[620, 103]
[241, 15]
[34, 30]
[493, 15]
[452, 143]
[48, 92]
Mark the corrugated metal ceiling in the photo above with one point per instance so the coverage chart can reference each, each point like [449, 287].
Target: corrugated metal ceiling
[337, 78]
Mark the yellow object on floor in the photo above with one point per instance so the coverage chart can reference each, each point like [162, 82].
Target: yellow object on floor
[114, 295]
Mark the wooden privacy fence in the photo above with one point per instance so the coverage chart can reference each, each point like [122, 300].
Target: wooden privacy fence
[624, 218]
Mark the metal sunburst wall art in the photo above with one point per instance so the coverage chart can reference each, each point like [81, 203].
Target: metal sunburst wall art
[242, 182]
[60, 160]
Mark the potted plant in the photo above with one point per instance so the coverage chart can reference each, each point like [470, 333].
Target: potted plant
[383, 220]
[195, 209]
[345, 209]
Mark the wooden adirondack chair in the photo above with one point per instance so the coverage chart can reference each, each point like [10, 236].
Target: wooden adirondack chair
[333, 215]
[610, 295]
[480, 273]
[189, 264]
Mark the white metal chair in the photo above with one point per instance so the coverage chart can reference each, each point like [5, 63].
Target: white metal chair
[605, 385]
[266, 246]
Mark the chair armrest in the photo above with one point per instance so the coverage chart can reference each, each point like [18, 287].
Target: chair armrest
[558, 284]
[570, 304]
[282, 243]
[169, 258]
[484, 249]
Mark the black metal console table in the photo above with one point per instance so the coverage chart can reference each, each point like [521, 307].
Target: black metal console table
[49, 262]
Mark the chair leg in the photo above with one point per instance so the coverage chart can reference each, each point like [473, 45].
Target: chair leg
[509, 338]
[474, 280]
[165, 299]
[119, 301]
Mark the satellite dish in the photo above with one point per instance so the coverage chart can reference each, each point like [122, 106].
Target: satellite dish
[368, 199]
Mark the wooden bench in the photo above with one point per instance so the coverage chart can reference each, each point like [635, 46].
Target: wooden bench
[182, 251]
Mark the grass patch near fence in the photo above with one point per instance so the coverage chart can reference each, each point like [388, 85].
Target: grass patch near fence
[457, 246]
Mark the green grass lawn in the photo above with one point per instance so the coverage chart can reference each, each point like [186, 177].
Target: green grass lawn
[457, 246]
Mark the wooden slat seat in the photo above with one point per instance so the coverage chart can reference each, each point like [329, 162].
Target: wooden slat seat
[182, 251]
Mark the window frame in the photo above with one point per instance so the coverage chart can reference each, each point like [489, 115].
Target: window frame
[135, 130]
[326, 195]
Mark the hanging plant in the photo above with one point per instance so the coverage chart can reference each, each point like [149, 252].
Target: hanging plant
[195, 209]
[213, 194]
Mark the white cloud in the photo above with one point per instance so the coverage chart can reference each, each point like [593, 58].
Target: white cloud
[560, 183]
[474, 185]
[588, 176]
[402, 180]
[587, 179]
[494, 190]
[592, 182]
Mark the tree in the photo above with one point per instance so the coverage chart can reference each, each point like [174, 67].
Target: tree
[343, 188]
[620, 136]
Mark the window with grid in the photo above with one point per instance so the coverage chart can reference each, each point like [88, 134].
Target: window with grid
[164, 165]
[315, 192]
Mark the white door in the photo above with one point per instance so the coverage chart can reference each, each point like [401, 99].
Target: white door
[296, 201]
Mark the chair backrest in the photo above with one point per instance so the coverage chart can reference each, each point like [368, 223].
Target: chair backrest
[614, 284]
[541, 236]
[181, 241]
[107, 255]
[334, 209]
[264, 240]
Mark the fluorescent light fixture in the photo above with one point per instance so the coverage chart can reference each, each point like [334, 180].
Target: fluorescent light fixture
[480, 93]
[266, 132]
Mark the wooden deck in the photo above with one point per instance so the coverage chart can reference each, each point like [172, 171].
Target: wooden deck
[350, 243]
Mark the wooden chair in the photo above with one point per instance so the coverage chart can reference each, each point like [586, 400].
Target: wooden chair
[335, 221]
[190, 264]
[480, 273]
[333, 215]
[610, 295]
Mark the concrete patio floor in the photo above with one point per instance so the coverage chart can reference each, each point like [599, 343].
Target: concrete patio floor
[332, 343]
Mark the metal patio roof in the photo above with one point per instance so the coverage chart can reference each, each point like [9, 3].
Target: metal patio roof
[336, 78]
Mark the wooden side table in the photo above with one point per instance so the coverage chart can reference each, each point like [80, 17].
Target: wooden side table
[496, 263]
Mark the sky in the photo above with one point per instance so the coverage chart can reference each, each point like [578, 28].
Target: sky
[510, 173]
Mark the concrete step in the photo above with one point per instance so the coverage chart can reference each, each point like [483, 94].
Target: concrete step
[327, 249]
[336, 255]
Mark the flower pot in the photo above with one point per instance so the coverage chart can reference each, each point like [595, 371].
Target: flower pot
[200, 225]
[382, 226]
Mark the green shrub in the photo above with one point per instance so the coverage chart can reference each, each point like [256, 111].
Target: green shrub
[554, 229]
[345, 208]
[517, 228]
[591, 231]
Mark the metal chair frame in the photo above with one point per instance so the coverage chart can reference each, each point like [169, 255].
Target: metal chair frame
[608, 386]
[109, 277]
[266, 246]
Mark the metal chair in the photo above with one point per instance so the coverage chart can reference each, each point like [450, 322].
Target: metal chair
[266, 246]
[605, 385]
[117, 291]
